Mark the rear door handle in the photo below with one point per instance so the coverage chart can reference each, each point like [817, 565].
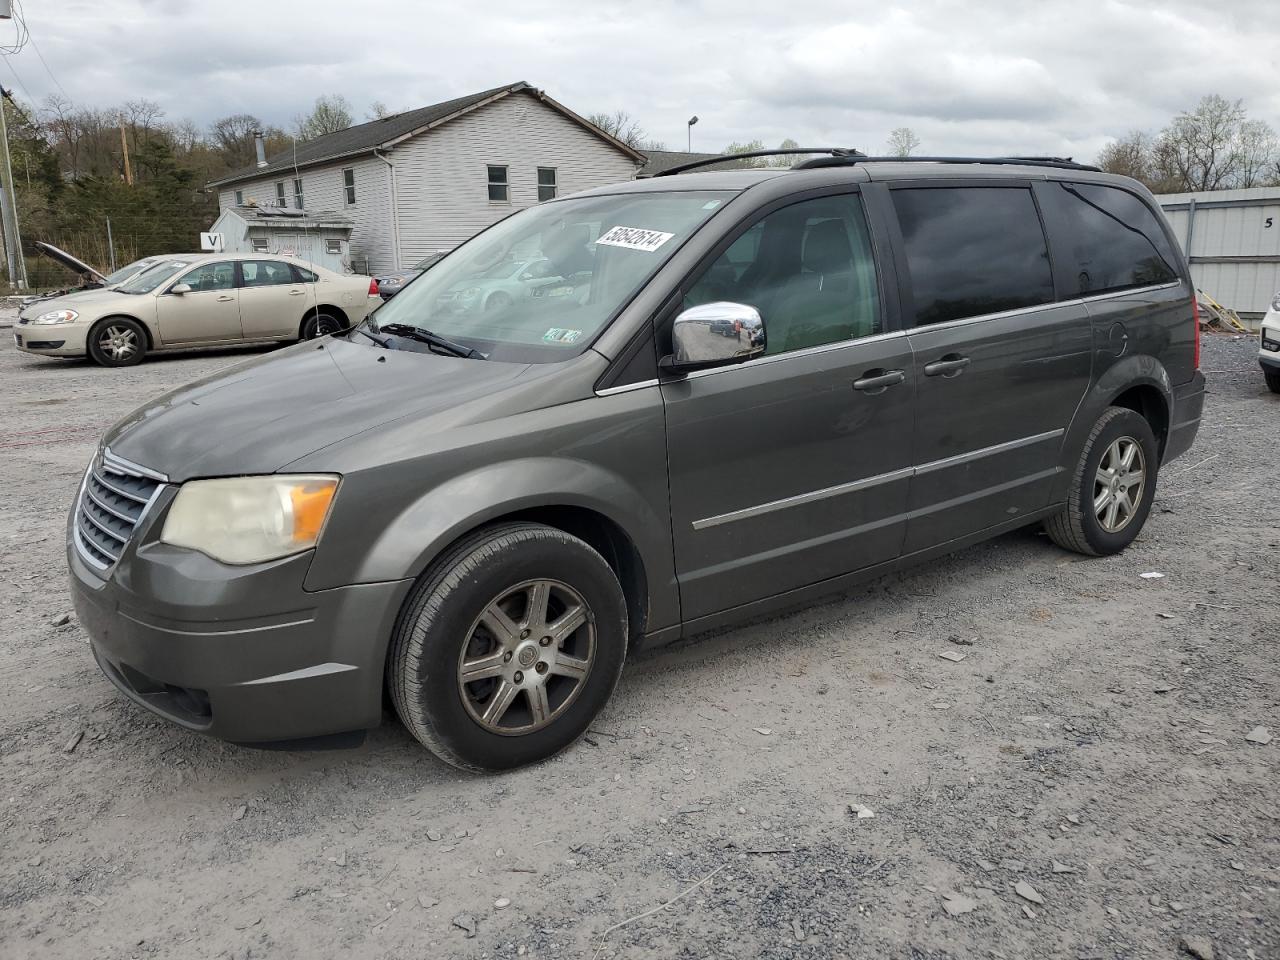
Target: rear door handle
[877, 381]
[296, 293]
[949, 366]
[225, 299]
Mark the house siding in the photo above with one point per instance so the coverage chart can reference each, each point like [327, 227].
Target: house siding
[322, 190]
[442, 180]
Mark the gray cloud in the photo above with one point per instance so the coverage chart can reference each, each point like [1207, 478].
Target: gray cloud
[1000, 76]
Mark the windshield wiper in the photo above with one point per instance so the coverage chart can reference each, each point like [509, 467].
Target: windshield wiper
[378, 340]
[431, 339]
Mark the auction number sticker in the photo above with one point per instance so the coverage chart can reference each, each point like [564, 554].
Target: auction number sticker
[634, 238]
[561, 335]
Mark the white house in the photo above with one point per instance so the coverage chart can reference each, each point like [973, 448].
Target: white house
[425, 180]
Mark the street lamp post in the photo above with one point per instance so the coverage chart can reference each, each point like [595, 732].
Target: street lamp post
[689, 130]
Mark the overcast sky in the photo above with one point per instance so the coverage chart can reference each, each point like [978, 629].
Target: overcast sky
[979, 77]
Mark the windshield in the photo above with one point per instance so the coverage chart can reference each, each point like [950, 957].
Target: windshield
[539, 286]
[152, 277]
[124, 273]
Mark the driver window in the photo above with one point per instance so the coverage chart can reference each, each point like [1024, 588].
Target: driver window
[807, 268]
[210, 276]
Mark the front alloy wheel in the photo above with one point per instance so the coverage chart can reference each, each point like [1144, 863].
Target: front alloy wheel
[508, 647]
[526, 657]
[117, 342]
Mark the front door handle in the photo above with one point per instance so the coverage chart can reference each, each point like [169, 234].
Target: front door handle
[878, 380]
[949, 366]
[296, 293]
[225, 299]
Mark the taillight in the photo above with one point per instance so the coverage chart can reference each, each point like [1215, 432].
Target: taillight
[1195, 328]
[373, 292]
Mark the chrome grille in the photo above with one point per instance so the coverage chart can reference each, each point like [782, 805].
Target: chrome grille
[114, 497]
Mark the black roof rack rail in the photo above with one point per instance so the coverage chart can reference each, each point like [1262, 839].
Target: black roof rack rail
[842, 153]
[1063, 163]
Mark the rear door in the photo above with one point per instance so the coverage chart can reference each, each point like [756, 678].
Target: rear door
[1000, 366]
[273, 299]
[208, 312]
[791, 468]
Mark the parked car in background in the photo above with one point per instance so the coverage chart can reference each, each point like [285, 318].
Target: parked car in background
[393, 283]
[196, 300]
[498, 287]
[1269, 345]
[482, 513]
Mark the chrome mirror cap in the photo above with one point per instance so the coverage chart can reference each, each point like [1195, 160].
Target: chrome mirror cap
[715, 334]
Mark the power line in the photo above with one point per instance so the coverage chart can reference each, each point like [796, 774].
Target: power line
[36, 48]
[21, 85]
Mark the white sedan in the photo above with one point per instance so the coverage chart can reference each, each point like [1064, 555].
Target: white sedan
[1269, 345]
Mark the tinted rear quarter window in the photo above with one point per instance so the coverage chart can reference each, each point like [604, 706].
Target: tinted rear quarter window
[972, 251]
[1108, 239]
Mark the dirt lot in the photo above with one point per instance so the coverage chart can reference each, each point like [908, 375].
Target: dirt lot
[1090, 745]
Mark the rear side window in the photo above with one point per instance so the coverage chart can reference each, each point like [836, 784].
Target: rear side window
[1110, 240]
[972, 251]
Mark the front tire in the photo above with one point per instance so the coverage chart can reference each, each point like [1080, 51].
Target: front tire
[508, 648]
[117, 342]
[1273, 380]
[1112, 488]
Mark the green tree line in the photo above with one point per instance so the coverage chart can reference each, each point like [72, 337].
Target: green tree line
[76, 167]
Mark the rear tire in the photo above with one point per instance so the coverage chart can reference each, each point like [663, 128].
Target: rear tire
[554, 685]
[117, 342]
[1273, 380]
[1108, 502]
[320, 325]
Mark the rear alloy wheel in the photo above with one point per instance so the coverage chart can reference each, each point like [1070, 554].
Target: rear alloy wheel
[509, 647]
[1112, 487]
[496, 302]
[320, 325]
[117, 342]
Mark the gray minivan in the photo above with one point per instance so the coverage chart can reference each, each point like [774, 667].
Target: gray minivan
[729, 393]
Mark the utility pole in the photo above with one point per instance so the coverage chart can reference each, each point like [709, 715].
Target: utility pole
[9, 207]
[124, 145]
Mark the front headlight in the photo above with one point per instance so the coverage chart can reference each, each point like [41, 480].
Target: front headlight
[56, 316]
[250, 519]
[1275, 303]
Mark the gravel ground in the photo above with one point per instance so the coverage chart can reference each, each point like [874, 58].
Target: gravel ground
[1088, 751]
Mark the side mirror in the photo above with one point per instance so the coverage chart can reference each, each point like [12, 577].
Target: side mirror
[180, 288]
[714, 335]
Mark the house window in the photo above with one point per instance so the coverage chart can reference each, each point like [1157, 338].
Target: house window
[280, 194]
[349, 185]
[333, 246]
[259, 244]
[498, 185]
[297, 193]
[239, 198]
[546, 183]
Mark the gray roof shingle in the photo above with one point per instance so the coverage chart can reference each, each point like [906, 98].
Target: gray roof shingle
[366, 137]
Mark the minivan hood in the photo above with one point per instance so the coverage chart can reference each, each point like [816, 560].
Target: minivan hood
[258, 416]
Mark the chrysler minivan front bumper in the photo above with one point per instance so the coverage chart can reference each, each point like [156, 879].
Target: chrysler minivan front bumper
[244, 654]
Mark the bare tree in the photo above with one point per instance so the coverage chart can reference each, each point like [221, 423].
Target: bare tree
[902, 141]
[378, 110]
[329, 115]
[1259, 153]
[622, 126]
[233, 137]
[1200, 150]
[1129, 156]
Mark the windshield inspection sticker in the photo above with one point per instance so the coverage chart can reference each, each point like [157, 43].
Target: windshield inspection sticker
[634, 238]
[560, 335]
